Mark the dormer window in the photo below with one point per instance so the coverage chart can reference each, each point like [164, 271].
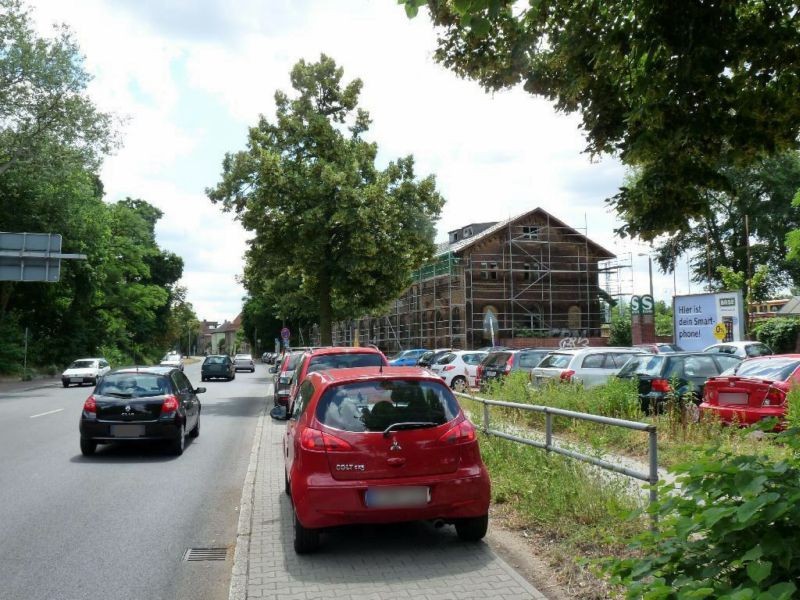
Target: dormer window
[467, 232]
[453, 237]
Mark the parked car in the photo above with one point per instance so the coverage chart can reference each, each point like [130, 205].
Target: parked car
[741, 349]
[754, 390]
[458, 368]
[502, 362]
[588, 366]
[407, 358]
[85, 370]
[661, 376]
[172, 359]
[283, 376]
[381, 446]
[141, 404]
[659, 348]
[431, 356]
[334, 357]
[244, 362]
[217, 366]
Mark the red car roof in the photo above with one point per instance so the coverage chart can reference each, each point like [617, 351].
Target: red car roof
[374, 374]
[344, 350]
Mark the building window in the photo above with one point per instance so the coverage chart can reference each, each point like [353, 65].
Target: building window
[493, 271]
[484, 270]
[467, 232]
[527, 274]
[530, 232]
[456, 318]
[454, 237]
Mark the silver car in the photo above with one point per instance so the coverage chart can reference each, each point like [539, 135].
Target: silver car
[244, 362]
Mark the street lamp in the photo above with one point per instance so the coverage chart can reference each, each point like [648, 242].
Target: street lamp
[649, 270]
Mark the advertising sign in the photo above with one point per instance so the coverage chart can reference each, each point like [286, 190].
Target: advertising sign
[701, 320]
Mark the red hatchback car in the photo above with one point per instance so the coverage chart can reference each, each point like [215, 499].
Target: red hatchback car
[754, 390]
[382, 445]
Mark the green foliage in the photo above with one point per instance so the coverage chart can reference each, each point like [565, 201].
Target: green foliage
[727, 529]
[779, 333]
[334, 234]
[663, 319]
[44, 108]
[11, 348]
[620, 328]
[793, 408]
[634, 73]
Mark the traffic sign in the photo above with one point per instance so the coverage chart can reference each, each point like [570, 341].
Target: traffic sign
[720, 331]
[285, 333]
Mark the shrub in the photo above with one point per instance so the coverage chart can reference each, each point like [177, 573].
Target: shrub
[778, 333]
[728, 528]
[11, 348]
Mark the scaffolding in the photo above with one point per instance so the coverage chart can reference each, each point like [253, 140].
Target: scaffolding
[538, 279]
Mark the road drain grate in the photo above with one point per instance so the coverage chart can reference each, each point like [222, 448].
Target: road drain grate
[203, 554]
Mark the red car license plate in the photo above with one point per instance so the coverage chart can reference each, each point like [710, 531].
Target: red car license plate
[397, 497]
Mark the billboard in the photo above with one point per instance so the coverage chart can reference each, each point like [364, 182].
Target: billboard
[701, 320]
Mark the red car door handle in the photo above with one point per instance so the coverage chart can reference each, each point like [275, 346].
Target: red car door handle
[396, 462]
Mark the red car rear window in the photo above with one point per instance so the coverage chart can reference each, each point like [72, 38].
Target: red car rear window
[774, 369]
[375, 405]
[344, 361]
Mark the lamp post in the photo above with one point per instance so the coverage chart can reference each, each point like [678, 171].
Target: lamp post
[649, 270]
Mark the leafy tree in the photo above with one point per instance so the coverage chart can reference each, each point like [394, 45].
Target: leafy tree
[663, 318]
[621, 329]
[779, 333]
[674, 90]
[44, 108]
[760, 194]
[342, 234]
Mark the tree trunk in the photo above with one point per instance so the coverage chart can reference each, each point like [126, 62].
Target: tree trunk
[325, 325]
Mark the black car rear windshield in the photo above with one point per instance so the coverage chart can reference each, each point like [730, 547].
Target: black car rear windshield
[643, 365]
[344, 361]
[133, 385]
[773, 369]
[375, 405]
[496, 359]
[215, 360]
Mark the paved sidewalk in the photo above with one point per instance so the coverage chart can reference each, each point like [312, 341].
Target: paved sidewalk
[359, 563]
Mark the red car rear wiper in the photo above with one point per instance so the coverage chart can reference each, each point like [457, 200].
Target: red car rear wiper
[409, 425]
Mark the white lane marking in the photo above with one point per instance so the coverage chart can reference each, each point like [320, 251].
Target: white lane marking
[49, 412]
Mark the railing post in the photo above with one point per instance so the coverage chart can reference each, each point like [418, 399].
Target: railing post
[653, 453]
[485, 418]
[548, 430]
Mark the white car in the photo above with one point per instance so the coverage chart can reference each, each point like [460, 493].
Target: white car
[244, 362]
[740, 349]
[85, 370]
[172, 359]
[588, 366]
[458, 368]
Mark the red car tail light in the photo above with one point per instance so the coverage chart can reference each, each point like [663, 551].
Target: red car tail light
[660, 385]
[449, 368]
[463, 433]
[317, 441]
[170, 405]
[90, 406]
[509, 364]
[566, 375]
[775, 397]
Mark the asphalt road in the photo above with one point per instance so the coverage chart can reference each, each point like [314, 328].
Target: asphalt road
[117, 525]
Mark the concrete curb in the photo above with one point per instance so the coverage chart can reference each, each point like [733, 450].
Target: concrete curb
[238, 587]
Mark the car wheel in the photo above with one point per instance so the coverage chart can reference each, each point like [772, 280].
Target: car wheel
[473, 529]
[305, 540]
[88, 446]
[195, 431]
[65, 383]
[459, 384]
[202, 377]
[233, 376]
[286, 486]
[179, 443]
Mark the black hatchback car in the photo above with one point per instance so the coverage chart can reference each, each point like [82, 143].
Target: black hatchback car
[141, 404]
[662, 376]
[502, 362]
[218, 366]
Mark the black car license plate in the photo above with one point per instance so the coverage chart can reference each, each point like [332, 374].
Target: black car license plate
[127, 431]
[490, 373]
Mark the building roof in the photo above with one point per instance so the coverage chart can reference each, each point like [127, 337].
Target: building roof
[792, 307]
[443, 248]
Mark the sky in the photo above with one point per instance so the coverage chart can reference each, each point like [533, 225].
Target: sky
[187, 78]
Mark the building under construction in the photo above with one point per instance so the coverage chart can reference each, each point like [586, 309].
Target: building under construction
[532, 276]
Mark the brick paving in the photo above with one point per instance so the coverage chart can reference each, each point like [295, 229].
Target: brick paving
[407, 561]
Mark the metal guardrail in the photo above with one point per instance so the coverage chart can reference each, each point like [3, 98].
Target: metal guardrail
[650, 477]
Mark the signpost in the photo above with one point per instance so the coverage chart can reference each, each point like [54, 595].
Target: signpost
[32, 257]
[705, 319]
[285, 333]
